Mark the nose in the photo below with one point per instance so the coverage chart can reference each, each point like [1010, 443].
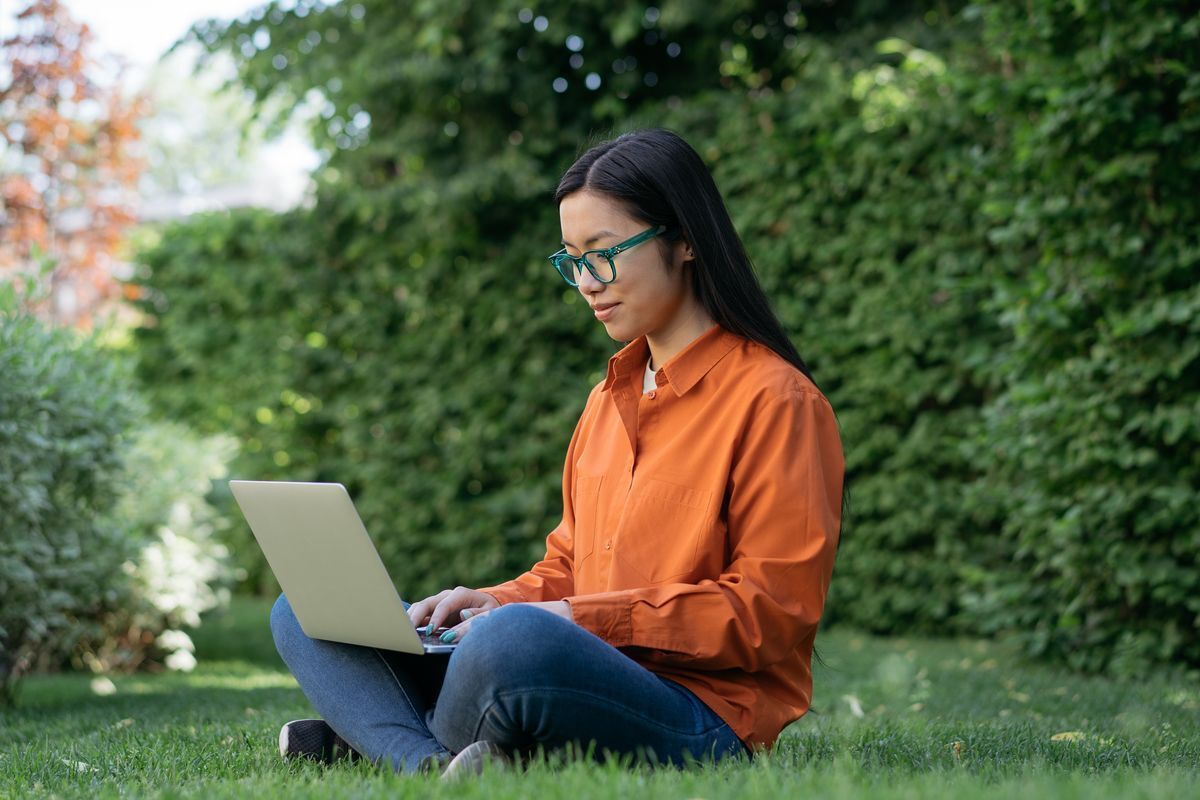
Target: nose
[587, 281]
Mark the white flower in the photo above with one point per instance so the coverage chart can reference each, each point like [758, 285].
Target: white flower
[181, 661]
[175, 640]
[103, 687]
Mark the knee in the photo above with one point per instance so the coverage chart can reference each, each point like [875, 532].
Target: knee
[513, 624]
[284, 625]
[509, 641]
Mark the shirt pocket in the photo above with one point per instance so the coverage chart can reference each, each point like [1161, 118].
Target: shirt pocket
[661, 534]
[586, 499]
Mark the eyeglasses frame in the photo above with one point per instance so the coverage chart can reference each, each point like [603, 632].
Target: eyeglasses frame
[562, 256]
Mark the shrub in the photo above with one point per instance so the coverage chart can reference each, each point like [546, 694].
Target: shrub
[106, 538]
[64, 409]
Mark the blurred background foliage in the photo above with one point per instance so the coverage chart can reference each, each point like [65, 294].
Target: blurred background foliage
[978, 220]
[108, 544]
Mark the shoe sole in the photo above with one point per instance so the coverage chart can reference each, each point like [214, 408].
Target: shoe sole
[474, 759]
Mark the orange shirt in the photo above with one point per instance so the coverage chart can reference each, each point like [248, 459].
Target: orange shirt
[700, 522]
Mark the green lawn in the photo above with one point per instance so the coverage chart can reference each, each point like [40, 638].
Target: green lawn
[892, 718]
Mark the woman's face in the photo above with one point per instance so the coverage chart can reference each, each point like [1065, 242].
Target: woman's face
[647, 298]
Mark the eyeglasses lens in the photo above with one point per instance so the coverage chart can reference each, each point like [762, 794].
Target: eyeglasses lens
[601, 268]
[566, 267]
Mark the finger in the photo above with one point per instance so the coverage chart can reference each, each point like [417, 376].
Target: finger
[467, 613]
[457, 599]
[473, 615]
[419, 612]
[460, 630]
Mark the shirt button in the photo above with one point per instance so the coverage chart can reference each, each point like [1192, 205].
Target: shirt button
[608, 545]
[652, 395]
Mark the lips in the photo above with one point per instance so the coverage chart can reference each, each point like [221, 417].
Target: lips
[605, 310]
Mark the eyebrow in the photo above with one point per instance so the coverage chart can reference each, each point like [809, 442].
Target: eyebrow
[595, 238]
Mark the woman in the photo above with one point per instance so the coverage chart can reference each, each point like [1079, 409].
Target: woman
[674, 613]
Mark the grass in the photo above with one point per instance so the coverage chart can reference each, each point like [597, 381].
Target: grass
[892, 718]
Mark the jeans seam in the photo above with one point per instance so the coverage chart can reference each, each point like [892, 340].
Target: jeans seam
[487, 712]
[417, 715]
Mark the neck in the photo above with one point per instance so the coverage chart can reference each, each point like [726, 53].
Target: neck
[688, 327]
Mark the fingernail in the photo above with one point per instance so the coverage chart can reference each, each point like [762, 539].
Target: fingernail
[449, 636]
[429, 629]
[466, 613]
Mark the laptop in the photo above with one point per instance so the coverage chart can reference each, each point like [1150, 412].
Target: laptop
[328, 567]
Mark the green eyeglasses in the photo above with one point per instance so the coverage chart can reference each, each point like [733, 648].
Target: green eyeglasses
[604, 270]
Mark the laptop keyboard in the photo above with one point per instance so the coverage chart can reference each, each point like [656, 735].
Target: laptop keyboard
[432, 638]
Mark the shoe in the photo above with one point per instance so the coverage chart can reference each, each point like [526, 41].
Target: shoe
[314, 739]
[433, 765]
[473, 760]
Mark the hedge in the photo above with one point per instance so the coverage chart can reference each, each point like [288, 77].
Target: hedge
[981, 234]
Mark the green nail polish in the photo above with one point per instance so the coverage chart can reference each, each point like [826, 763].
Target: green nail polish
[429, 629]
[449, 636]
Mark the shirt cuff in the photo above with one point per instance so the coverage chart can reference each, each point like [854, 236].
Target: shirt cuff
[608, 615]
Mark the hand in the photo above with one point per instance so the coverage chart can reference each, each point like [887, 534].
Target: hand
[448, 605]
[560, 608]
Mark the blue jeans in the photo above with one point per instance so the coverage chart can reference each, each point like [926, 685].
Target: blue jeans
[523, 678]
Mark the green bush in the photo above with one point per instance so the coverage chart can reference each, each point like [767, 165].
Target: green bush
[981, 233]
[107, 541]
[64, 408]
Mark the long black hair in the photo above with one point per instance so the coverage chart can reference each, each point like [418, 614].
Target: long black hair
[660, 179]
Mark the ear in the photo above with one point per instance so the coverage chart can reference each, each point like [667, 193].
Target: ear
[683, 252]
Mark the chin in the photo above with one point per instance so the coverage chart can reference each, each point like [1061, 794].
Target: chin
[617, 335]
[620, 333]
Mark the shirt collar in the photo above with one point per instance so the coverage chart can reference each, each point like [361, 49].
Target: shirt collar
[684, 370]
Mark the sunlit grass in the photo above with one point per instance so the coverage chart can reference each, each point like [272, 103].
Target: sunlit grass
[891, 718]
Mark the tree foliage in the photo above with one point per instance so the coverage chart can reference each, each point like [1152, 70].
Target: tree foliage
[68, 164]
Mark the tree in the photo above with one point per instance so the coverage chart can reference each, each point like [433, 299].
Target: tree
[68, 165]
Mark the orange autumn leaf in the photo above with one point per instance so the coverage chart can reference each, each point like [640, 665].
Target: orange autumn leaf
[68, 207]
